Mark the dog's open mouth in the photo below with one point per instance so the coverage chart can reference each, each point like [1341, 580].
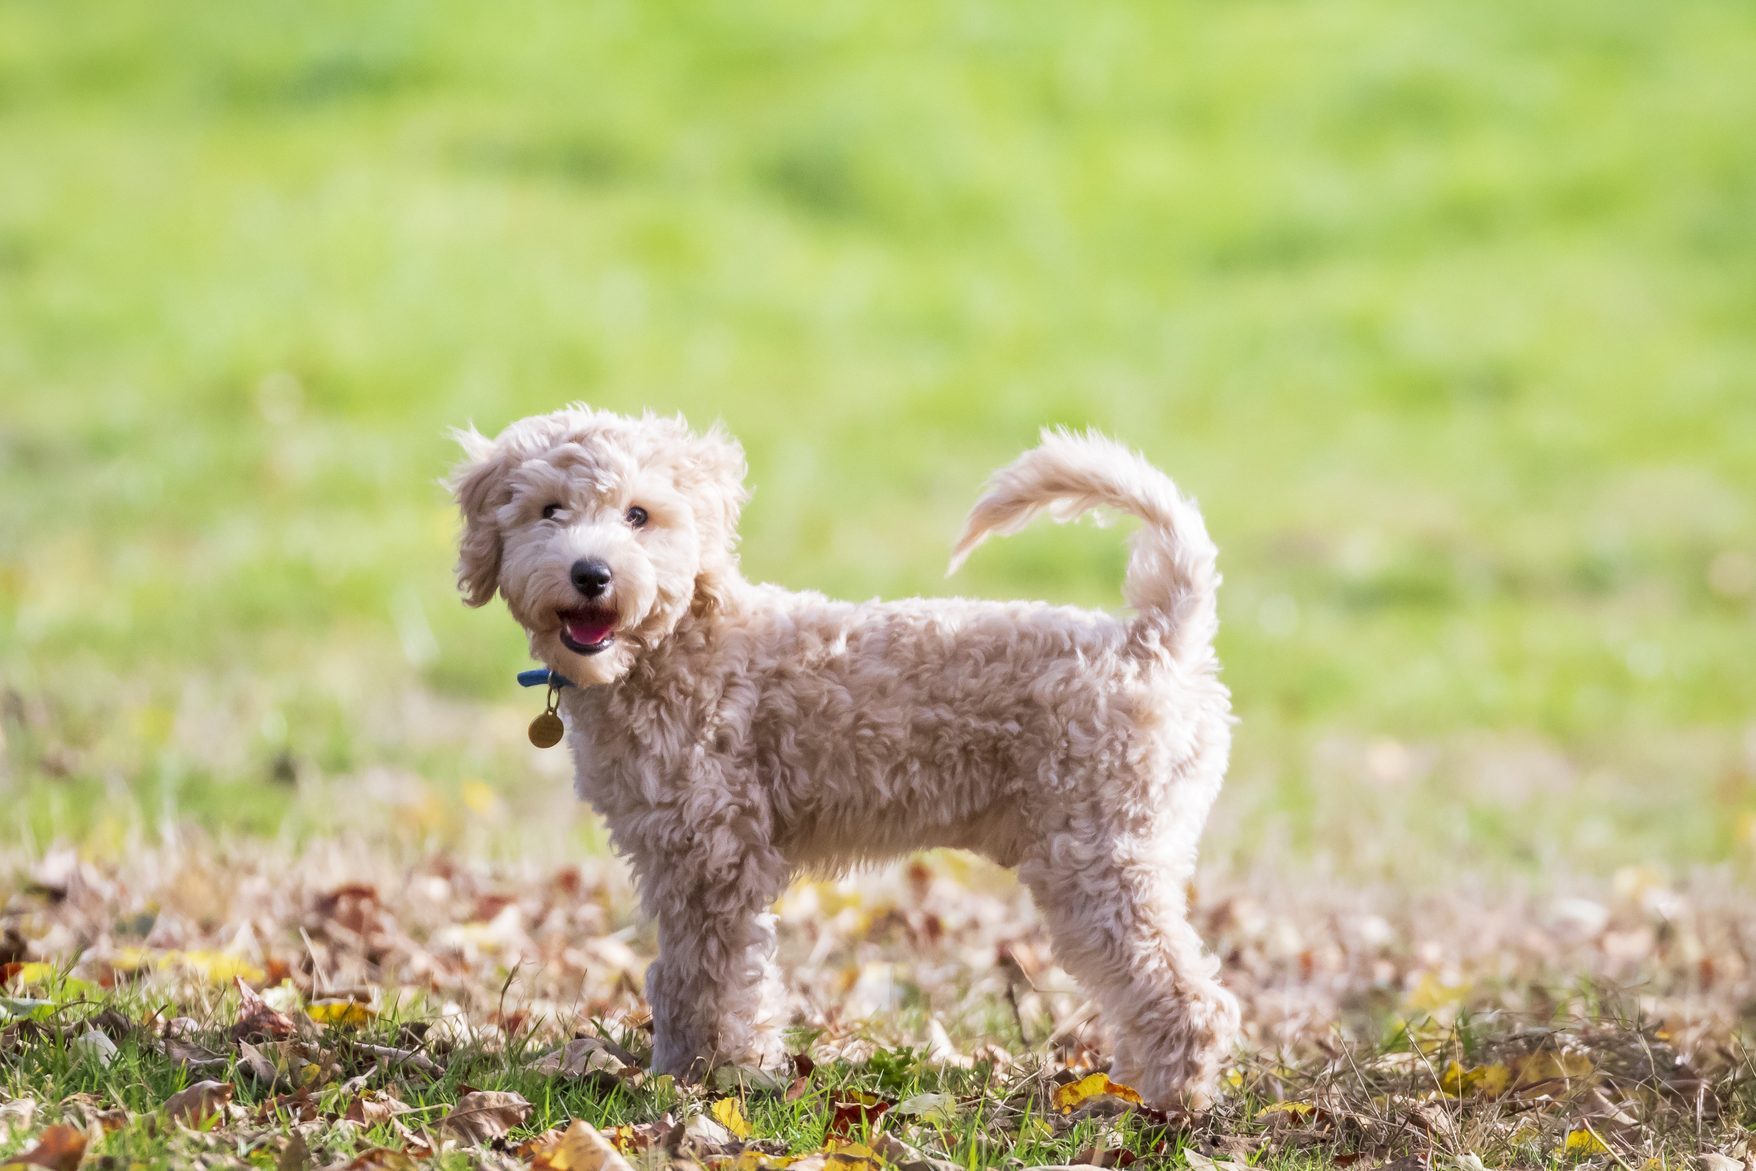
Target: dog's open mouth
[587, 631]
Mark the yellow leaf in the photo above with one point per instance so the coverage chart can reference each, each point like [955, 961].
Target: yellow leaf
[1073, 1095]
[730, 1114]
[34, 972]
[346, 1013]
[1235, 1078]
[581, 1147]
[218, 967]
[1490, 1081]
[1546, 1066]
[479, 799]
[1433, 994]
[751, 1159]
[852, 1156]
[1299, 1109]
[1583, 1142]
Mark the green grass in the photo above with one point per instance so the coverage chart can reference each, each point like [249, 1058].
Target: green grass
[1446, 316]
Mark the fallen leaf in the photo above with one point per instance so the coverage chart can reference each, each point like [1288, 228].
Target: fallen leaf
[481, 1116]
[192, 1057]
[1090, 1088]
[1541, 1070]
[743, 1078]
[751, 1159]
[707, 1134]
[931, 1109]
[257, 1021]
[904, 1157]
[25, 1008]
[295, 1156]
[400, 1057]
[59, 1147]
[581, 1147]
[730, 1113]
[382, 1159]
[1295, 1109]
[347, 1014]
[852, 1156]
[1582, 1142]
[851, 1110]
[91, 1112]
[1488, 1081]
[198, 1103]
[583, 1057]
[374, 1107]
[1200, 1162]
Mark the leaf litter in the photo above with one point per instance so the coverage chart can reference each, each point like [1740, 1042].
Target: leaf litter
[338, 1007]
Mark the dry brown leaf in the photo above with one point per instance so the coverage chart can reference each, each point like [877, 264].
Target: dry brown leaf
[401, 1058]
[583, 1057]
[481, 1116]
[257, 1021]
[381, 1159]
[374, 1107]
[295, 1156]
[190, 1056]
[852, 1109]
[581, 1147]
[199, 1102]
[92, 1112]
[59, 1147]
[905, 1157]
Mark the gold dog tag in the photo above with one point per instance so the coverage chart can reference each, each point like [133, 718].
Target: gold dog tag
[547, 729]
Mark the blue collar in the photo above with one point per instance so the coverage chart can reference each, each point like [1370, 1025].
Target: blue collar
[543, 677]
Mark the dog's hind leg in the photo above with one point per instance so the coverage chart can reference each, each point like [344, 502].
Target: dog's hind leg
[713, 989]
[1119, 925]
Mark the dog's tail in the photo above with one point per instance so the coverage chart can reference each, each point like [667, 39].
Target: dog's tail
[1171, 580]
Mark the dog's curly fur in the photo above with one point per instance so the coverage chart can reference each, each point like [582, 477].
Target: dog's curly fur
[733, 734]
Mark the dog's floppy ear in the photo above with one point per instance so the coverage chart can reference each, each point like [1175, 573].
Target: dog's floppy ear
[479, 483]
[712, 472]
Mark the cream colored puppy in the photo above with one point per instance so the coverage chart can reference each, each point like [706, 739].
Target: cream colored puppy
[733, 734]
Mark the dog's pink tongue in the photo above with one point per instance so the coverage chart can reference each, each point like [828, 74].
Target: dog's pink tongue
[589, 631]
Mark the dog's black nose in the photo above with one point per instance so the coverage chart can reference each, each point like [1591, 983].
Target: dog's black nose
[591, 577]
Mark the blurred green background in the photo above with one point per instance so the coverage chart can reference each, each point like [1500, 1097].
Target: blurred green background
[1447, 314]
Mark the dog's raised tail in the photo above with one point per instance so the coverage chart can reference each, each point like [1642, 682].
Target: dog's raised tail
[1171, 580]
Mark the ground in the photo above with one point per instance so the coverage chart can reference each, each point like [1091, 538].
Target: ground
[1446, 317]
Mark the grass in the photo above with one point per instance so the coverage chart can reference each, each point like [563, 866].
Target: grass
[1445, 315]
[393, 993]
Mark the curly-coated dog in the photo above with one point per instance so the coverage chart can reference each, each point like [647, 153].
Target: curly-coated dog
[734, 734]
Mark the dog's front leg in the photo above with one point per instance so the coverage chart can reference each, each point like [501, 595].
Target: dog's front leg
[713, 990]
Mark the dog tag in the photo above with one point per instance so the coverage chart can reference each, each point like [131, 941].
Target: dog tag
[546, 730]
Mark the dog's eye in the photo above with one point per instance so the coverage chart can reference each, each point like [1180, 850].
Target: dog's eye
[549, 511]
[637, 517]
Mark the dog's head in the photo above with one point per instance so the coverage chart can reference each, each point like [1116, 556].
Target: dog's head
[601, 531]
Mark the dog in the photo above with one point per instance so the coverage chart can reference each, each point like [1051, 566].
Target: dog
[734, 734]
